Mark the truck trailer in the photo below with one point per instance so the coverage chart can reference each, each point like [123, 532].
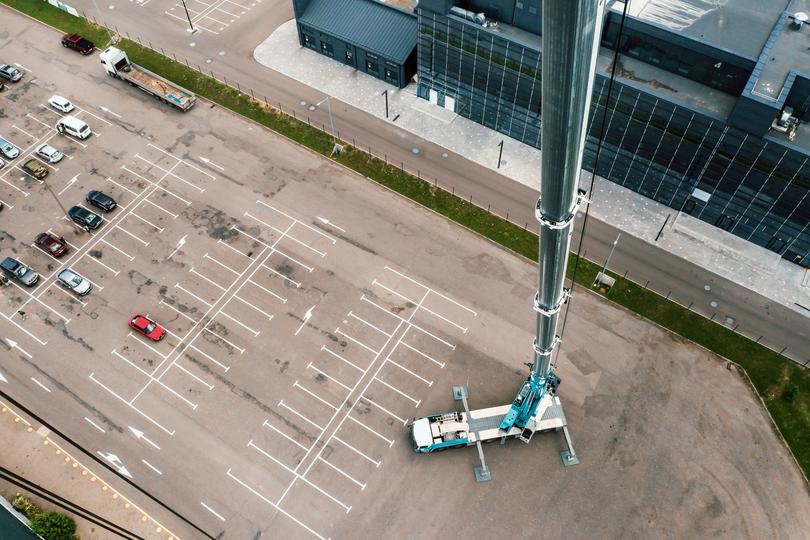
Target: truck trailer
[117, 65]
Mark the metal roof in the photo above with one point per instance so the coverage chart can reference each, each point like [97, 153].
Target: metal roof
[367, 24]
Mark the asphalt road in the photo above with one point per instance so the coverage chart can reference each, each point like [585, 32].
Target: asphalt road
[310, 313]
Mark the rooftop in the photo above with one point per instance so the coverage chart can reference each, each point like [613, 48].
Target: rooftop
[738, 26]
[786, 51]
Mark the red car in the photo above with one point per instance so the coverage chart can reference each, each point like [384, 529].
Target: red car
[147, 327]
[50, 244]
[77, 43]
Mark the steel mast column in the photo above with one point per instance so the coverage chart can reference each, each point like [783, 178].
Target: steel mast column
[570, 43]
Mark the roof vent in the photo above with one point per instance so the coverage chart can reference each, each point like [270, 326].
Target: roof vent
[477, 18]
[799, 18]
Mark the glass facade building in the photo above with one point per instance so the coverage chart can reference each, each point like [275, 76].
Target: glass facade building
[685, 125]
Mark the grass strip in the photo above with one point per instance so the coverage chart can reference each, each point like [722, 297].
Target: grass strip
[783, 385]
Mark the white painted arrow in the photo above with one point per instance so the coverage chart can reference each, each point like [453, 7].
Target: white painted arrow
[13, 345]
[70, 183]
[116, 462]
[180, 243]
[307, 317]
[3, 379]
[139, 435]
[209, 162]
[106, 110]
[327, 222]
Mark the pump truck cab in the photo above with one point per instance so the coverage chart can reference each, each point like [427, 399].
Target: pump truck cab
[116, 64]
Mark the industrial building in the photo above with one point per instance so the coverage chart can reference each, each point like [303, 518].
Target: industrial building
[370, 36]
[708, 113]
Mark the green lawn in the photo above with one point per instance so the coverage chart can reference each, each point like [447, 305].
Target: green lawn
[783, 385]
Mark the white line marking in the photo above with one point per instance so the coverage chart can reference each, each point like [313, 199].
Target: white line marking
[240, 349]
[209, 386]
[431, 290]
[177, 311]
[294, 239]
[95, 116]
[225, 266]
[310, 366]
[298, 285]
[21, 129]
[274, 428]
[174, 216]
[130, 405]
[184, 162]
[95, 425]
[211, 281]
[161, 188]
[298, 221]
[383, 408]
[168, 173]
[361, 424]
[161, 383]
[243, 325]
[437, 338]
[406, 370]
[336, 355]
[109, 179]
[417, 351]
[232, 248]
[209, 162]
[347, 445]
[314, 395]
[72, 296]
[398, 391]
[140, 341]
[274, 250]
[268, 315]
[329, 223]
[123, 230]
[282, 404]
[147, 222]
[369, 324]
[214, 360]
[32, 297]
[212, 511]
[177, 285]
[362, 485]
[119, 250]
[151, 466]
[43, 343]
[350, 338]
[268, 291]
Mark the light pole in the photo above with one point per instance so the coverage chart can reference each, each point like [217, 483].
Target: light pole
[607, 261]
[191, 28]
[336, 148]
[48, 187]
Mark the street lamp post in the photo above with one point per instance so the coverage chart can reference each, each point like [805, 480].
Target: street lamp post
[191, 28]
[48, 187]
[328, 99]
[607, 261]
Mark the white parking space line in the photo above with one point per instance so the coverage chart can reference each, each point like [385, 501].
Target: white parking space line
[336, 355]
[209, 162]
[243, 325]
[147, 222]
[352, 315]
[34, 118]
[101, 429]
[274, 428]
[73, 297]
[25, 132]
[297, 285]
[161, 188]
[445, 319]
[130, 405]
[177, 311]
[389, 312]
[232, 248]
[184, 162]
[140, 341]
[406, 370]
[178, 286]
[7, 204]
[94, 116]
[240, 349]
[350, 447]
[275, 250]
[166, 171]
[268, 291]
[123, 230]
[208, 356]
[32, 336]
[119, 250]
[154, 379]
[109, 179]
[32, 297]
[196, 24]
[294, 239]
[212, 511]
[225, 266]
[361, 484]
[274, 505]
[299, 222]
[420, 353]
[350, 338]
[41, 385]
[392, 415]
[152, 467]
[314, 395]
[116, 272]
[211, 281]
[25, 193]
[364, 426]
[102, 107]
[190, 374]
[174, 216]
[50, 110]
[268, 315]
[282, 404]
[22, 67]
[398, 391]
[432, 290]
[310, 366]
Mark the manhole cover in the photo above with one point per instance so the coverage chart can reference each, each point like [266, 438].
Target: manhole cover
[444, 154]
[415, 151]
[312, 107]
[731, 321]
[303, 103]
[707, 288]
[713, 303]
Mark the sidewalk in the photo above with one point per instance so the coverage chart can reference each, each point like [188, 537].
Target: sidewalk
[713, 249]
[31, 452]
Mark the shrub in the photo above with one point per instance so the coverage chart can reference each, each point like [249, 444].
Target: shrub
[790, 393]
[53, 526]
[23, 504]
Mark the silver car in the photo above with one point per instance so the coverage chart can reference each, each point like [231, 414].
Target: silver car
[8, 150]
[51, 154]
[10, 73]
[72, 281]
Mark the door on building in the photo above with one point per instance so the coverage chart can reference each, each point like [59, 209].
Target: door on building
[433, 97]
[349, 58]
[449, 103]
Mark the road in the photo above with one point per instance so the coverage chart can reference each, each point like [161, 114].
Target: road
[755, 316]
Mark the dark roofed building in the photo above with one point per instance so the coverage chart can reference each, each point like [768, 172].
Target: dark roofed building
[367, 35]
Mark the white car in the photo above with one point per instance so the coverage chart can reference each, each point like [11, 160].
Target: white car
[49, 153]
[61, 104]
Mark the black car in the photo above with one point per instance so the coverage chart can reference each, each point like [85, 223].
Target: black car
[100, 200]
[84, 217]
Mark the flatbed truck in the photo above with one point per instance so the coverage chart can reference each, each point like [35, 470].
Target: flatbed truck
[117, 64]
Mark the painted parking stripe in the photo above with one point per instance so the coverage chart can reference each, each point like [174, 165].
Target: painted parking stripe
[184, 162]
[240, 349]
[190, 374]
[219, 241]
[119, 250]
[152, 467]
[310, 366]
[294, 239]
[223, 265]
[174, 216]
[299, 222]
[32, 297]
[350, 447]
[274, 428]
[25, 132]
[177, 311]
[361, 484]
[273, 249]
[178, 286]
[383, 409]
[336, 355]
[212, 511]
[147, 222]
[417, 351]
[137, 339]
[123, 230]
[268, 315]
[168, 173]
[314, 395]
[25, 193]
[240, 323]
[350, 338]
[268, 291]
[212, 282]
[101, 429]
[297, 285]
[109, 179]
[437, 315]
[32, 336]
[411, 324]
[208, 356]
[406, 370]
[432, 290]
[130, 405]
[73, 297]
[282, 404]
[378, 329]
[367, 428]
[154, 379]
[41, 385]
[154, 184]
[398, 391]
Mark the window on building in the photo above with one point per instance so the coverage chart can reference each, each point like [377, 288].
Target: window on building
[392, 75]
[309, 41]
[372, 67]
[349, 57]
[327, 49]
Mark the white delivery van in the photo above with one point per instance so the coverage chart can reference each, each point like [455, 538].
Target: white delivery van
[73, 126]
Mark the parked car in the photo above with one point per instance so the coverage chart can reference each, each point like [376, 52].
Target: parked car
[8, 150]
[147, 327]
[10, 73]
[84, 217]
[49, 152]
[35, 168]
[61, 104]
[78, 43]
[73, 126]
[50, 243]
[101, 200]
[19, 271]
[73, 282]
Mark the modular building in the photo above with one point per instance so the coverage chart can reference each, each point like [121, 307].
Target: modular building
[709, 111]
[370, 36]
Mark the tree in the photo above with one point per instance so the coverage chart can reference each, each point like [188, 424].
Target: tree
[53, 526]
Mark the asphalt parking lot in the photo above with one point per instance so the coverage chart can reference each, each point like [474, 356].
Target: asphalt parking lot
[310, 314]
